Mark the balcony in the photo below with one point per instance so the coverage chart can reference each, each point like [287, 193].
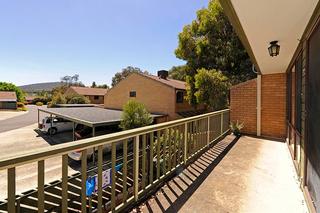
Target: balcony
[245, 175]
[189, 164]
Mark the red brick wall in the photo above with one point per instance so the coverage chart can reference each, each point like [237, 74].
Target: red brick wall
[243, 104]
[273, 102]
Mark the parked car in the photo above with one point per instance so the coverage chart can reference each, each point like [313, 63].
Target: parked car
[58, 125]
[83, 132]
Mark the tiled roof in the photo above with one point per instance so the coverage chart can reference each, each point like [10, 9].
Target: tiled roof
[170, 82]
[89, 91]
[8, 96]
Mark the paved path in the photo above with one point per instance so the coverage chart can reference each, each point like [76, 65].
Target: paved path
[22, 120]
[255, 176]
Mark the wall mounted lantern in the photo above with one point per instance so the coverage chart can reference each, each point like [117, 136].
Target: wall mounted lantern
[274, 48]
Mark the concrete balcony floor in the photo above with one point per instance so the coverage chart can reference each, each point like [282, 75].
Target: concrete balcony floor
[256, 175]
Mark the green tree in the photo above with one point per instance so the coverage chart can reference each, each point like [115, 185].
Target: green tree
[179, 72]
[210, 42]
[4, 86]
[58, 98]
[135, 115]
[104, 86]
[71, 80]
[94, 85]
[125, 73]
[212, 88]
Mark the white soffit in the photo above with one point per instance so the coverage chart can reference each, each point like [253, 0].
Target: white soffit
[267, 20]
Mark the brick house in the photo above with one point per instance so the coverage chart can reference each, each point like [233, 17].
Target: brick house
[283, 101]
[95, 95]
[159, 94]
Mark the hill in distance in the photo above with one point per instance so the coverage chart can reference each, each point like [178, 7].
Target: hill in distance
[48, 86]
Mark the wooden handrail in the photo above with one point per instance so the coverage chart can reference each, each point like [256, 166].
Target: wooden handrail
[14, 160]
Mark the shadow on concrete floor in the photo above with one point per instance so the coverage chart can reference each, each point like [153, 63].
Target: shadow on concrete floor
[59, 138]
[175, 193]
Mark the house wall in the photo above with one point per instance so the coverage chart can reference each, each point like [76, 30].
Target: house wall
[185, 106]
[94, 101]
[70, 91]
[8, 105]
[157, 97]
[243, 105]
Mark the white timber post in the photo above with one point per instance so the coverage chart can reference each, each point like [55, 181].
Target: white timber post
[258, 105]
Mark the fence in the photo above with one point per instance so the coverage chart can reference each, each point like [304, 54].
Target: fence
[140, 159]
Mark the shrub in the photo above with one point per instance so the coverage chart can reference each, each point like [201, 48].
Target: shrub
[20, 105]
[49, 104]
[77, 99]
[39, 103]
[22, 109]
[236, 128]
[135, 115]
[42, 99]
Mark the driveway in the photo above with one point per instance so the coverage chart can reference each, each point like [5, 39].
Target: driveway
[25, 119]
[24, 139]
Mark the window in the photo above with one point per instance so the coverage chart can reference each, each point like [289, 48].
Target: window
[179, 97]
[96, 97]
[132, 94]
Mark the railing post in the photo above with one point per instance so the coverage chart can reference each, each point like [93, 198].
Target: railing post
[221, 123]
[208, 131]
[41, 186]
[100, 169]
[64, 185]
[113, 176]
[12, 190]
[83, 181]
[136, 167]
[185, 142]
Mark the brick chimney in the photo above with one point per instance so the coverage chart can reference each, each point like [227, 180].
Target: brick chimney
[163, 74]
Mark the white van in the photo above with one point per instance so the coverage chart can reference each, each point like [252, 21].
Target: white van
[58, 125]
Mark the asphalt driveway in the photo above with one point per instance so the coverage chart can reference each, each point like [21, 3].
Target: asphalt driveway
[20, 121]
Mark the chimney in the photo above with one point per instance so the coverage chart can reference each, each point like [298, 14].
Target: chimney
[163, 74]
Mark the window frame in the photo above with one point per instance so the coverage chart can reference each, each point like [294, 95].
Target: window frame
[132, 94]
[179, 99]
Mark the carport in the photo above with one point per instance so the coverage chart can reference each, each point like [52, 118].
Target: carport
[88, 116]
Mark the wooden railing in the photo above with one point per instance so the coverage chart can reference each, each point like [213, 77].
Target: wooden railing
[147, 156]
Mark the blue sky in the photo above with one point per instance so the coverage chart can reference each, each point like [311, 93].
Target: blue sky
[42, 40]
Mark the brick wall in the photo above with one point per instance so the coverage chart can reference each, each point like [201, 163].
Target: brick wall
[243, 103]
[100, 100]
[273, 101]
[157, 97]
